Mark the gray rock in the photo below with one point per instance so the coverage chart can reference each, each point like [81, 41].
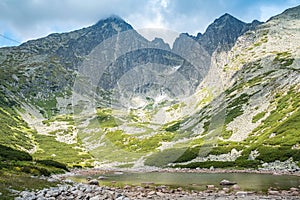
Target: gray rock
[236, 187]
[28, 195]
[102, 178]
[241, 193]
[226, 189]
[68, 181]
[121, 198]
[226, 182]
[96, 197]
[210, 187]
[94, 182]
[41, 198]
[294, 189]
[273, 192]
[152, 193]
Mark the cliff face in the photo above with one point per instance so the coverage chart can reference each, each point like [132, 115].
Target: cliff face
[107, 95]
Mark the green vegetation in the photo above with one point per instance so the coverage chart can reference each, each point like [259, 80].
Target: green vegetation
[258, 117]
[176, 106]
[173, 127]
[130, 143]
[225, 147]
[222, 164]
[12, 159]
[12, 180]
[128, 165]
[60, 118]
[234, 109]
[53, 163]
[278, 133]
[163, 158]
[17, 169]
[274, 139]
[105, 118]
[189, 154]
[282, 153]
[14, 131]
[49, 148]
[284, 59]
[8, 153]
[244, 83]
[48, 107]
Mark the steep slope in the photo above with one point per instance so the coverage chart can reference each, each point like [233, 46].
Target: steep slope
[37, 80]
[255, 119]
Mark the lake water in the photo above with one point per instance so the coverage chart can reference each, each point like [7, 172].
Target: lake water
[198, 181]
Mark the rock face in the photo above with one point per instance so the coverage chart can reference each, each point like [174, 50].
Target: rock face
[223, 33]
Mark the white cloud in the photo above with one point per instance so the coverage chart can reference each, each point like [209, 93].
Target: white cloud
[28, 19]
[267, 11]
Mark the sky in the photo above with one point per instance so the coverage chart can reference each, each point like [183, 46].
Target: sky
[22, 20]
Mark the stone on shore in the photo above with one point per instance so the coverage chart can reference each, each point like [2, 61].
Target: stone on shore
[241, 193]
[210, 187]
[236, 187]
[226, 182]
[94, 182]
[273, 192]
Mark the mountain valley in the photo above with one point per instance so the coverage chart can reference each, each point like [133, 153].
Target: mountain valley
[104, 96]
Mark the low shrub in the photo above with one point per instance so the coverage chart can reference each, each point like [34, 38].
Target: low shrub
[8, 153]
[189, 154]
[222, 164]
[173, 127]
[161, 159]
[53, 164]
[270, 154]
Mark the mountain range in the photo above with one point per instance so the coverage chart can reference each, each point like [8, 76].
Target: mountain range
[106, 96]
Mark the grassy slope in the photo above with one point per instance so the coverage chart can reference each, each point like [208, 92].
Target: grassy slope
[276, 138]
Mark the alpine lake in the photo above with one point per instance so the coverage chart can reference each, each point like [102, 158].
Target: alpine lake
[193, 180]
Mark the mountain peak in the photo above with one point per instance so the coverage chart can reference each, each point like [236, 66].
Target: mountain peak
[223, 32]
[227, 15]
[226, 18]
[116, 20]
[115, 17]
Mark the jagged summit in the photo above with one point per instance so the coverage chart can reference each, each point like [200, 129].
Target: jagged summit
[223, 32]
[116, 20]
[226, 18]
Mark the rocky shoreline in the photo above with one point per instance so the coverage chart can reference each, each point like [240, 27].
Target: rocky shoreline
[93, 191]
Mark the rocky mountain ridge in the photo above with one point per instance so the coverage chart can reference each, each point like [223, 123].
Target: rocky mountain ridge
[225, 98]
